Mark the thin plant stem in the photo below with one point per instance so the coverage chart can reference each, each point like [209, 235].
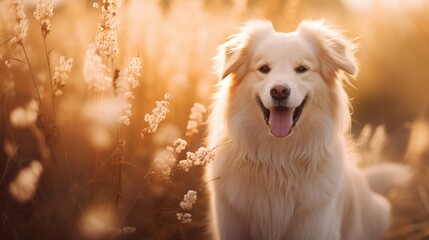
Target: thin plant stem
[6, 167]
[3, 93]
[121, 144]
[50, 79]
[6, 41]
[97, 156]
[118, 168]
[134, 201]
[64, 153]
[133, 154]
[94, 184]
[57, 128]
[34, 81]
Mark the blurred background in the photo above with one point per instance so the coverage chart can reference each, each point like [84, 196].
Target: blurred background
[70, 170]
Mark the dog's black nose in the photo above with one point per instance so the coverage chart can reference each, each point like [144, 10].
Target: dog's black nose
[280, 92]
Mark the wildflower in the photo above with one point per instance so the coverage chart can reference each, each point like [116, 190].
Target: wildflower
[44, 11]
[201, 157]
[21, 22]
[180, 145]
[95, 73]
[61, 74]
[163, 163]
[124, 119]
[184, 217]
[106, 40]
[23, 117]
[123, 84]
[165, 159]
[133, 70]
[24, 186]
[189, 200]
[158, 114]
[195, 119]
[123, 96]
[186, 164]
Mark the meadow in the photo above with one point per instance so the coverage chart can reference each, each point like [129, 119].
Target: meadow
[103, 107]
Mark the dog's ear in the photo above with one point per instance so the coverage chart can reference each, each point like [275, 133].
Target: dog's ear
[335, 50]
[233, 55]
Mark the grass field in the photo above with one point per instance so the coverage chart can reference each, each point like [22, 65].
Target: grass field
[93, 97]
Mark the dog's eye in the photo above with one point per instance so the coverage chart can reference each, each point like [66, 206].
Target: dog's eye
[301, 69]
[264, 69]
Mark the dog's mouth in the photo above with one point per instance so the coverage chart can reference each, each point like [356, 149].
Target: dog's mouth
[281, 119]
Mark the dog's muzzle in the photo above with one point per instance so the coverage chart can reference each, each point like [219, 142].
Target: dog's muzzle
[280, 119]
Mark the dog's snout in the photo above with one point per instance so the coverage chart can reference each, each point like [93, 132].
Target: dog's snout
[280, 92]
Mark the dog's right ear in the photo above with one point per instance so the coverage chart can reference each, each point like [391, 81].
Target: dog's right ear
[336, 52]
[233, 55]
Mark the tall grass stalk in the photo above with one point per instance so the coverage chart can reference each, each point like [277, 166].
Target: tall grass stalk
[43, 13]
[50, 80]
[35, 83]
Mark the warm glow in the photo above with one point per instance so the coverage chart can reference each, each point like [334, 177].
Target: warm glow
[119, 114]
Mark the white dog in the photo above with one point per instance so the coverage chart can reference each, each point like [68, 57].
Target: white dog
[283, 168]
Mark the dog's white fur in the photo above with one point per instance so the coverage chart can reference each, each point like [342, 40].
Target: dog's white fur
[303, 186]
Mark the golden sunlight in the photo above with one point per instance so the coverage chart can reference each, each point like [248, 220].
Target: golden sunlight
[104, 108]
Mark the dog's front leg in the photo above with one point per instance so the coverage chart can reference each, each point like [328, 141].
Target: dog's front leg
[227, 225]
[322, 223]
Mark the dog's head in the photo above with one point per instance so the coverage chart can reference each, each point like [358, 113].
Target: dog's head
[285, 72]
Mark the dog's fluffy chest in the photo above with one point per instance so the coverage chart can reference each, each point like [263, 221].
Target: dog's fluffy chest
[270, 199]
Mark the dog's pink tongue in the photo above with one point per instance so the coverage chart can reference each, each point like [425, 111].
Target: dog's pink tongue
[280, 121]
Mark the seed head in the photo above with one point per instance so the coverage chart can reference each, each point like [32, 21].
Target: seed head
[21, 22]
[44, 11]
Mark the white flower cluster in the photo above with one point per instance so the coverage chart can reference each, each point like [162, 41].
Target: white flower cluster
[158, 114]
[201, 157]
[21, 22]
[163, 162]
[44, 11]
[179, 145]
[124, 83]
[106, 40]
[184, 217]
[61, 74]
[195, 119]
[165, 159]
[189, 200]
[133, 70]
[22, 117]
[95, 73]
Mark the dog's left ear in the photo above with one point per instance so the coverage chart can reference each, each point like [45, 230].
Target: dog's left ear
[335, 50]
[233, 55]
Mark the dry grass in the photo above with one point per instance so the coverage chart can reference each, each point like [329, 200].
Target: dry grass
[99, 178]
